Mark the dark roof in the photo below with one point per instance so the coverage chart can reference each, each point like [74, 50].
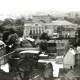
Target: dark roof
[71, 74]
[36, 74]
[11, 76]
[77, 71]
[67, 73]
[62, 72]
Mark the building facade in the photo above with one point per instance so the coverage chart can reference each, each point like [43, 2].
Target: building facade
[62, 47]
[64, 28]
[69, 59]
[33, 30]
[58, 46]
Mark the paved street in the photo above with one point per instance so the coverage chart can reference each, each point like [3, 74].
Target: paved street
[55, 66]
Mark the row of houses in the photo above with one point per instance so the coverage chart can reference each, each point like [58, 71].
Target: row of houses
[71, 65]
[43, 23]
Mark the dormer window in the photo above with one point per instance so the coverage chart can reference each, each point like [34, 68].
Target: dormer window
[36, 24]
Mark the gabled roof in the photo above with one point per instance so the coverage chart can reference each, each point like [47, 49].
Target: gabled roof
[67, 73]
[36, 24]
[70, 51]
[62, 72]
[33, 24]
[71, 74]
[62, 22]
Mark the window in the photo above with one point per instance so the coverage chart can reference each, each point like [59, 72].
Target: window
[40, 31]
[33, 31]
[36, 24]
[36, 31]
[30, 32]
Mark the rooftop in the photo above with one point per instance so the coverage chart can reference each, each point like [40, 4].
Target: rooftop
[62, 72]
[30, 51]
[62, 22]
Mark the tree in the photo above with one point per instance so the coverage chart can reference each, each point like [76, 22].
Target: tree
[19, 22]
[43, 45]
[8, 21]
[1, 29]
[44, 36]
[12, 39]
[5, 36]
[20, 31]
[11, 30]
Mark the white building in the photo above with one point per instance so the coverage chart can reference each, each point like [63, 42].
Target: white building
[69, 59]
[65, 28]
[33, 30]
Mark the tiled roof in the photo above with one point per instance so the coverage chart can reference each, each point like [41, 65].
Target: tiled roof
[71, 74]
[77, 71]
[62, 72]
[62, 22]
[70, 51]
[67, 73]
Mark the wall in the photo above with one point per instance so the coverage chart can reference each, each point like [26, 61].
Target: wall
[69, 60]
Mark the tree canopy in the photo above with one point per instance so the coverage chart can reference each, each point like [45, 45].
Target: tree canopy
[8, 21]
[44, 36]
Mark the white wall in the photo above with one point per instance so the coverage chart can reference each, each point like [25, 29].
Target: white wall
[69, 60]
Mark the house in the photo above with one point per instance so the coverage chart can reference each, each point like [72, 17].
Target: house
[49, 29]
[33, 30]
[58, 46]
[69, 59]
[64, 28]
[73, 74]
[62, 46]
[51, 46]
[62, 72]
[69, 73]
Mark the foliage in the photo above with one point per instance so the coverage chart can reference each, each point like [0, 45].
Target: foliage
[1, 29]
[44, 36]
[6, 35]
[19, 22]
[20, 31]
[11, 30]
[12, 39]
[8, 21]
[43, 45]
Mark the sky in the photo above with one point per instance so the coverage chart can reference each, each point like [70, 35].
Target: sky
[29, 6]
